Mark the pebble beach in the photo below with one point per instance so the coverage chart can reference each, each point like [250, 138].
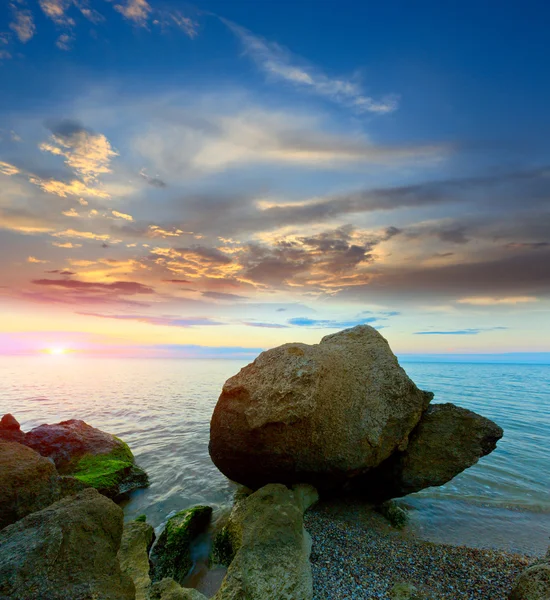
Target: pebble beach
[357, 554]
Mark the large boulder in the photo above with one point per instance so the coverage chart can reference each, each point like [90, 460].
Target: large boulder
[95, 458]
[133, 555]
[67, 551]
[318, 414]
[28, 482]
[447, 440]
[268, 546]
[10, 429]
[171, 554]
[168, 589]
[534, 582]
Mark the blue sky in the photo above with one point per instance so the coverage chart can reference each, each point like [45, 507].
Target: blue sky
[250, 173]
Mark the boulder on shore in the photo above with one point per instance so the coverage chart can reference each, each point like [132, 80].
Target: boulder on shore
[67, 551]
[10, 429]
[95, 458]
[171, 554]
[318, 414]
[168, 589]
[447, 440]
[267, 546]
[534, 582]
[28, 482]
[133, 555]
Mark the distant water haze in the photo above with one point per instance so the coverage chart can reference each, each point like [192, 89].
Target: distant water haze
[162, 409]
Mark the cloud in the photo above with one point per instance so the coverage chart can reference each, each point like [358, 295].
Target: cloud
[88, 235]
[64, 189]
[88, 153]
[8, 169]
[152, 181]
[21, 220]
[460, 331]
[66, 245]
[120, 215]
[165, 320]
[185, 24]
[179, 281]
[491, 301]
[32, 259]
[61, 272]
[64, 41]
[223, 296]
[23, 24]
[222, 137]
[328, 323]
[137, 11]
[56, 11]
[122, 287]
[265, 325]
[70, 213]
[280, 64]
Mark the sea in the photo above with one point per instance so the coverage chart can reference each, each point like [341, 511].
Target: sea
[162, 409]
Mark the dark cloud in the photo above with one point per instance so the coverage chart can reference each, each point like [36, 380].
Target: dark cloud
[184, 281]
[59, 272]
[153, 181]
[525, 274]
[66, 129]
[456, 236]
[223, 296]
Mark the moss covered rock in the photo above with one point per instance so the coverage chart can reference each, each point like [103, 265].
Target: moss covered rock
[133, 555]
[395, 514]
[168, 589]
[171, 555]
[269, 545]
[95, 458]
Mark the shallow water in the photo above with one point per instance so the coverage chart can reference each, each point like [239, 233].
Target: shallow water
[162, 409]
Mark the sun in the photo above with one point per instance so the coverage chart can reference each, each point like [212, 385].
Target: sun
[57, 350]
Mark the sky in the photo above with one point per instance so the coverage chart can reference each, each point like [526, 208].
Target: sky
[216, 178]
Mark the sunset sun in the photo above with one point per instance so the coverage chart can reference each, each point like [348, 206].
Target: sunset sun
[57, 350]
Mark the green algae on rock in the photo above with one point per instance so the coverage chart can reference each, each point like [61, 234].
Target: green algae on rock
[171, 555]
[93, 457]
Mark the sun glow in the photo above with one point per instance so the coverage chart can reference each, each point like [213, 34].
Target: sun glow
[57, 350]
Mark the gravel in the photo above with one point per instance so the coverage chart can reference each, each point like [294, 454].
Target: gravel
[357, 555]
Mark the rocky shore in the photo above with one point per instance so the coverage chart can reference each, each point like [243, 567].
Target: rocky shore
[370, 559]
[321, 439]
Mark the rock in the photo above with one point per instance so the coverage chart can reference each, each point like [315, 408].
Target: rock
[95, 458]
[171, 555]
[534, 582]
[270, 548]
[405, 591]
[168, 589]
[67, 551]
[10, 429]
[394, 514]
[447, 440]
[28, 482]
[315, 414]
[133, 555]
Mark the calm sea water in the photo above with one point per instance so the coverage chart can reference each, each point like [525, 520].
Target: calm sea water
[162, 409]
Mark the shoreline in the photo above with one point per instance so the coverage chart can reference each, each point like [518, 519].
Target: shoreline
[356, 554]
